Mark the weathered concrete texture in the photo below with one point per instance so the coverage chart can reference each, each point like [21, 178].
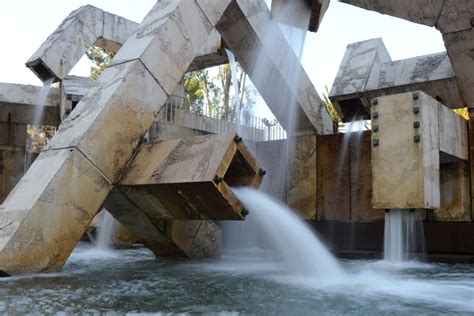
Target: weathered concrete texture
[165, 237]
[366, 72]
[301, 194]
[244, 27]
[11, 170]
[405, 170]
[356, 65]
[83, 28]
[211, 54]
[460, 47]
[112, 118]
[46, 214]
[18, 104]
[454, 18]
[176, 179]
[333, 172]
[168, 39]
[361, 179]
[453, 135]
[455, 194]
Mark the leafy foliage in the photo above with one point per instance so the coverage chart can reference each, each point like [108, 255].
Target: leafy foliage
[331, 110]
[38, 137]
[100, 58]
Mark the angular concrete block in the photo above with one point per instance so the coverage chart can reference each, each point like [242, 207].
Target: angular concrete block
[83, 28]
[453, 134]
[405, 158]
[190, 178]
[113, 117]
[167, 41]
[213, 10]
[62, 49]
[46, 214]
[166, 238]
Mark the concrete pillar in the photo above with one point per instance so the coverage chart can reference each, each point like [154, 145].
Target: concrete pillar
[405, 152]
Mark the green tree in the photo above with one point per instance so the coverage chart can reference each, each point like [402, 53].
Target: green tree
[100, 58]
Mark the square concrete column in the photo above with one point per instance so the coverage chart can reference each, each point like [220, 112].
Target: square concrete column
[405, 152]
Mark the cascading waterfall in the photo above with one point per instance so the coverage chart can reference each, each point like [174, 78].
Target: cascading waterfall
[401, 235]
[247, 234]
[106, 231]
[302, 251]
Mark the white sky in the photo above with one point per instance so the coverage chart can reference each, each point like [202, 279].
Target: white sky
[25, 24]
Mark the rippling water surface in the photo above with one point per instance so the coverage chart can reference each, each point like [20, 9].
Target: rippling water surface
[247, 282]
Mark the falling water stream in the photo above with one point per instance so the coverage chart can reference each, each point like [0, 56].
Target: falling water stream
[105, 233]
[235, 84]
[38, 114]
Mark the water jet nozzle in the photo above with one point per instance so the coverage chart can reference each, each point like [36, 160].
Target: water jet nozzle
[244, 212]
[262, 172]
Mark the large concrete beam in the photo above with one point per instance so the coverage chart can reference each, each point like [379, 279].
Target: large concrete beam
[71, 179]
[89, 26]
[455, 20]
[83, 28]
[246, 28]
[367, 72]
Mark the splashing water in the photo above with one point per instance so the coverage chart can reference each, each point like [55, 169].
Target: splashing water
[303, 253]
[400, 235]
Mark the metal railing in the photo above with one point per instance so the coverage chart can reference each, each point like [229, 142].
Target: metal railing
[253, 128]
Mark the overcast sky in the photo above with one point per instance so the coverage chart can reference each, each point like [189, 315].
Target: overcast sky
[25, 24]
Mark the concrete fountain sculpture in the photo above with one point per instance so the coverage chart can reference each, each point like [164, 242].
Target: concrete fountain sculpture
[95, 155]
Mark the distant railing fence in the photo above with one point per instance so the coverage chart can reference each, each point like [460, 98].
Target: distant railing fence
[252, 128]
